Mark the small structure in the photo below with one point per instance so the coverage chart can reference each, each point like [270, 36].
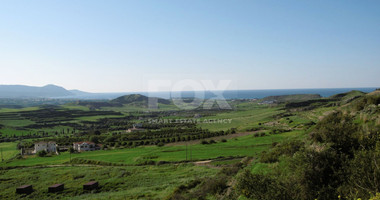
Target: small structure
[50, 147]
[197, 116]
[56, 188]
[92, 185]
[27, 151]
[85, 146]
[136, 128]
[24, 189]
[63, 148]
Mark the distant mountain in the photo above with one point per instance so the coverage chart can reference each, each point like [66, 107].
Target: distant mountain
[138, 98]
[22, 91]
[80, 93]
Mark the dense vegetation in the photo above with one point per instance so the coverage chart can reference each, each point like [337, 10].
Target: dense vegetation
[339, 158]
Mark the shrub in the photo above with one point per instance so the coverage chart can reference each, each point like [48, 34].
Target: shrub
[268, 157]
[288, 148]
[214, 185]
[204, 142]
[71, 150]
[362, 168]
[42, 153]
[258, 186]
[339, 130]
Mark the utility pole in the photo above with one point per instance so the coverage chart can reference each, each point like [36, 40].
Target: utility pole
[186, 150]
[191, 154]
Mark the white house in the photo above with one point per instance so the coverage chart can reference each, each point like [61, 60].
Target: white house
[84, 146]
[50, 147]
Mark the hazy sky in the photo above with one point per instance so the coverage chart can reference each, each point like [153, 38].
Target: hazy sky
[115, 46]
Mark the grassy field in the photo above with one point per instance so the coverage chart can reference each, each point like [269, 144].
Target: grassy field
[143, 182]
[138, 173]
[244, 117]
[95, 118]
[9, 131]
[137, 108]
[8, 150]
[148, 172]
[16, 122]
[3, 110]
[243, 146]
[75, 107]
[12, 123]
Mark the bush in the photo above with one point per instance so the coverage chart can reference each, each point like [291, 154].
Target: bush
[258, 186]
[223, 140]
[364, 167]
[268, 157]
[339, 130]
[214, 185]
[230, 171]
[204, 142]
[42, 153]
[288, 148]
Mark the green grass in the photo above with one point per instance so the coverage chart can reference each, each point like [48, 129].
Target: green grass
[138, 108]
[147, 181]
[75, 107]
[16, 122]
[225, 162]
[143, 182]
[242, 146]
[95, 118]
[260, 168]
[8, 150]
[12, 131]
[247, 116]
[3, 110]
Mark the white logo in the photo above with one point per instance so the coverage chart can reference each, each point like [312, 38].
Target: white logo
[199, 88]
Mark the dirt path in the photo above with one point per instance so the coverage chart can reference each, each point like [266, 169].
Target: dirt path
[205, 162]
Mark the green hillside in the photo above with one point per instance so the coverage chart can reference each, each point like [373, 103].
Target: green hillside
[291, 98]
[337, 160]
[137, 98]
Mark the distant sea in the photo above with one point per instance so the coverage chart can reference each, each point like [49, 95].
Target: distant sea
[252, 94]
[228, 94]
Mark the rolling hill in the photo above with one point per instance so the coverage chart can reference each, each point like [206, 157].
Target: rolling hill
[138, 98]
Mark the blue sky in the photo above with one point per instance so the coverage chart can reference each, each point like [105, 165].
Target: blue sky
[118, 46]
